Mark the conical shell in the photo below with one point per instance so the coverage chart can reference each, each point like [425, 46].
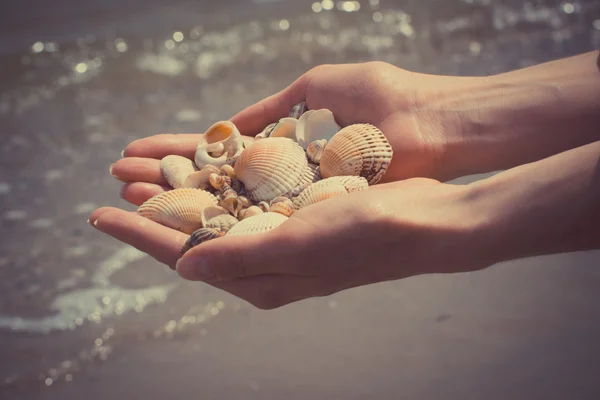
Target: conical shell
[271, 167]
[328, 188]
[200, 179]
[211, 212]
[257, 224]
[200, 236]
[176, 169]
[357, 150]
[222, 222]
[316, 125]
[286, 127]
[180, 209]
[315, 150]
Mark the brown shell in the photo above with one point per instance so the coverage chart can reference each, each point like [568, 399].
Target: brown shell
[180, 209]
[200, 236]
[357, 150]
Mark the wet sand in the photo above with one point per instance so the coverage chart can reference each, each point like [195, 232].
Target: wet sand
[83, 316]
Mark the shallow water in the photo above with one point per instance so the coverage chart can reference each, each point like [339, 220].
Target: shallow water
[81, 314]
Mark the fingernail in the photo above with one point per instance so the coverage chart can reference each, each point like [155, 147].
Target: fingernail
[194, 268]
[96, 223]
[110, 169]
[122, 153]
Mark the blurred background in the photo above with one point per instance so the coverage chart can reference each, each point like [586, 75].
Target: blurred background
[84, 316]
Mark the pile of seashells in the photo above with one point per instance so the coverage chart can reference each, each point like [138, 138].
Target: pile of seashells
[235, 189]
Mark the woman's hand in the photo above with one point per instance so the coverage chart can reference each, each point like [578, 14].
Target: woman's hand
[388, 232]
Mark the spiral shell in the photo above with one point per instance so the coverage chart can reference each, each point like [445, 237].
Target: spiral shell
[223, 140]
[200, 236]
[222, 222]
[257, 224]
[357, 150]
[176, 169]
[180, 209]
[271, 167]
[200, 179]
[316, 125]
[328, 188]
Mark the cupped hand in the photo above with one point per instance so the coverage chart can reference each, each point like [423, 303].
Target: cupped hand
[391, 231]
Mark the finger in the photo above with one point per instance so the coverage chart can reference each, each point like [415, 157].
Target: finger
[162, 243]
[135, 169]
[268, 292]
[252, 120]
[138, 192]
[233, 257]
[160, 146]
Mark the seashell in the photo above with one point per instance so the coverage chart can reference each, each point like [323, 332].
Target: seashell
[310, 175]
[200, 236]
[218, 181]
[282, 205]
[298, 110]
[228, 170]
[212, 212]
[257, 224]
[244, 201]
[316, 125]
[279, 199]
[223, 140]
[176, 169]
[222, 222]
[263, 205]
[266, 132]
[286, 127]
[229, 200]
[328, 188]
[250, 212]
[357, 150]
[271, 167]
[314, 151]
[200, 179]
[180, 209]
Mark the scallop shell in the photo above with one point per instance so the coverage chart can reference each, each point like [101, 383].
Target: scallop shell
[200, 179]
[200, 236]
[212, 212]
[176, 169]
[222, 222]
[316, 125]
[314, 151]
[222, 138]
[328, 188]
[357, 150]
[286, 127]
[310, 175]
[257, 224]
[271, 167]
[180, 209]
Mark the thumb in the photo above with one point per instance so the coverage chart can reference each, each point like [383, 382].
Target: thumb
[229, 258]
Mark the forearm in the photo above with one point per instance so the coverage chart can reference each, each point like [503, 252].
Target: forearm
[550, 206]
[499, 122]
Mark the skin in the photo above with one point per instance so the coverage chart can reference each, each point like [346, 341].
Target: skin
[541, 120]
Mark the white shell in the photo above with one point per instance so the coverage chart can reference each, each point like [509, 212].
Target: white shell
[257, 224]
[316, 125]
[176, 169]
[200, 179]
[271, 167]
[314, 150]
[222, 222]
[328, 188]
[180, 209]
[222, 138]
[250, 212]
[286, 127]
[211, 212]
[357, 150]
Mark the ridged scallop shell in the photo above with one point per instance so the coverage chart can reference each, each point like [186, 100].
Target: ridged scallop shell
[316, 125]
[176, 169]
[200, 179]
[328, 188]
[357, 150]
[315, 150]
[224, 140]
[257, 224]
[200, 236]
[271, 167]
[286, 127]
[180, 209]
[310, 175]
[222, 222]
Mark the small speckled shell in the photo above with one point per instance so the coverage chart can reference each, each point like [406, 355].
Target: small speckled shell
[357, 150]
[176, 169]
[222, 222]
[315, 150]
[328, 188]
[298, 110]
[257, 224]
[180, 209]
[271, 167]
[200, 236]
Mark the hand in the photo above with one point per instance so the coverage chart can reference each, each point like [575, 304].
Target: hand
[388, 232]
